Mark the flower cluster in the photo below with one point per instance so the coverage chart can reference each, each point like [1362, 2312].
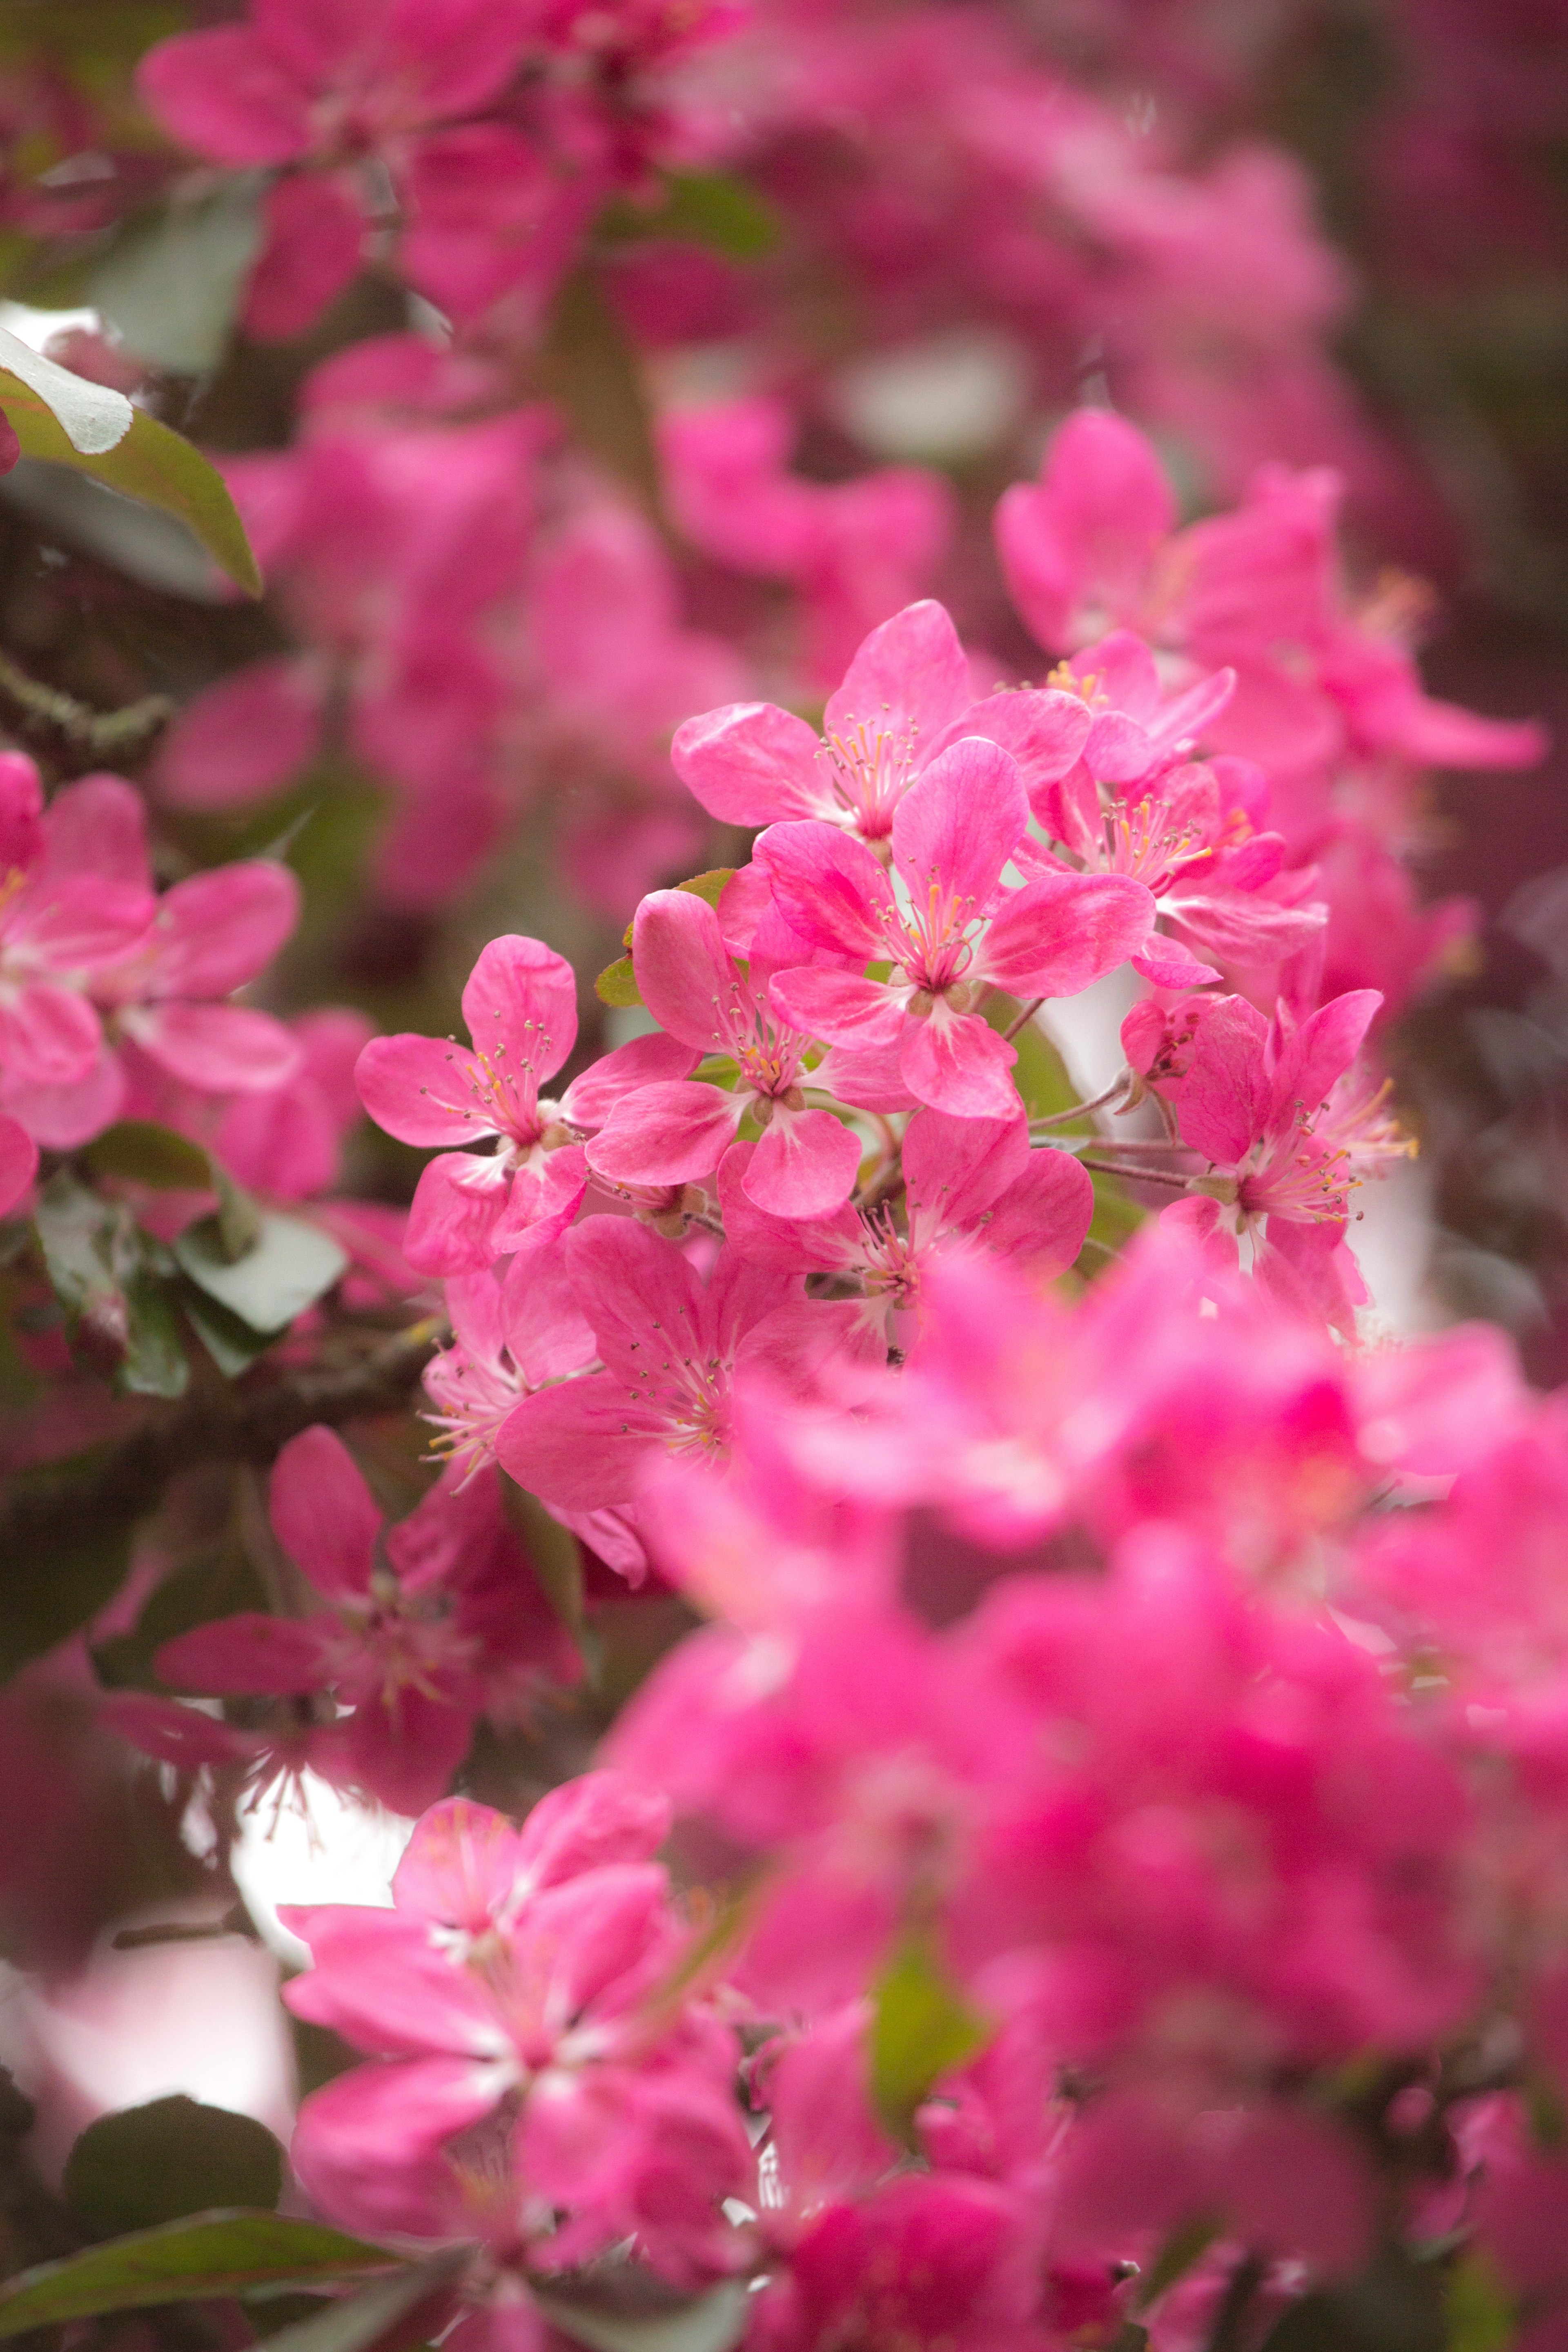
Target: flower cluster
[1151, 1842]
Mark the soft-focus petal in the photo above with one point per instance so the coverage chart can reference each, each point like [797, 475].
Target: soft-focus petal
[324, 1514]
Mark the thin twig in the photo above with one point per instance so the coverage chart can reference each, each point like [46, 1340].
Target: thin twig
[1018, 1020]
[95, 731]
[1081, 1110]
[1136, 1175]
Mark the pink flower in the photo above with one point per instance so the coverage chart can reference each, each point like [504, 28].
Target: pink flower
[1288, 1125]
[288, 1143]
[907, 696]
[511, 1335]
[521, 1005]
[425, 1631]
[672, 1349]
[63, 923]
[855, 551]
[967, 1181]
[523, 1967]
[948, 925]
[807, 1160]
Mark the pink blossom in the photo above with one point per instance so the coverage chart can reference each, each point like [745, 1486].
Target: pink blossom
[511, 1335]
[907, 696]
[523, 1965]
[967, 1181]
[288, 1143]
[63, 921]
[807, 1160]
[855, 551]
[673, 1349]
[424, 1630]
[954, 932]
[521, 1005]
[18, 1163]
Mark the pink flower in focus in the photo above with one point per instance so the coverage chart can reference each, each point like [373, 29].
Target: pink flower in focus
[807, 1160]
[950, 929]
[1286, 1122]
[512, 1332]
[521, 1005]
[907, 696]
[673, 1349]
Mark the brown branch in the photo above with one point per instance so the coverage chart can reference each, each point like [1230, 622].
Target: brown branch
[99, 731]
[51, 1510]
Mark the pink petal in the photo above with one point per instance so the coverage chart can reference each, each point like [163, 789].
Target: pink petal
[954, 1168]
[684, 970]
[804, 1166]
[18, 1163]
[1223, 1102]
[315, 234]
[323, 1515]
[582, 1444]
[910, 675]
[425, 1090]
[955, 830]
[753, 763]
[1169, 964]
[630, 1282]
[673, 1134]
[457, 1207]
[957, 1063]
[243, 738]
[49, 1037]
[577, 1938]
[403, 1745]
[1241, 927]
[249, 1653]
[367, 2148]
[99, 825]
[1323, 1048]
[829, 888]
[1064, 932]
[826, 1245]
[221, 1048]
[600, 1818]
[1043, 1217]
[223, 95]
[838, 1006]
[521, 1005]
[643, 1061]
[73, 922]
[22, 837]
[459, 1866]
[546, 1194]
[61, 1116]
[382, 1981]
[1045, 732]
[219, 929]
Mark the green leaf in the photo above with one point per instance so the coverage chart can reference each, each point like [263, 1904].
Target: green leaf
[171, 283]
[1480, 2311]
[1186, 2245]
[154, 1363]
[214, 2253]
[233, 1346]
[713, 2323]
[167, 2161]
[617, 983]
[67, 421]
[359, 2321]
[709, 887]
[49, 1598]
[85, 1242]
[287, 1270]
[710, 208]
[142, 1152]
[921, 2029]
